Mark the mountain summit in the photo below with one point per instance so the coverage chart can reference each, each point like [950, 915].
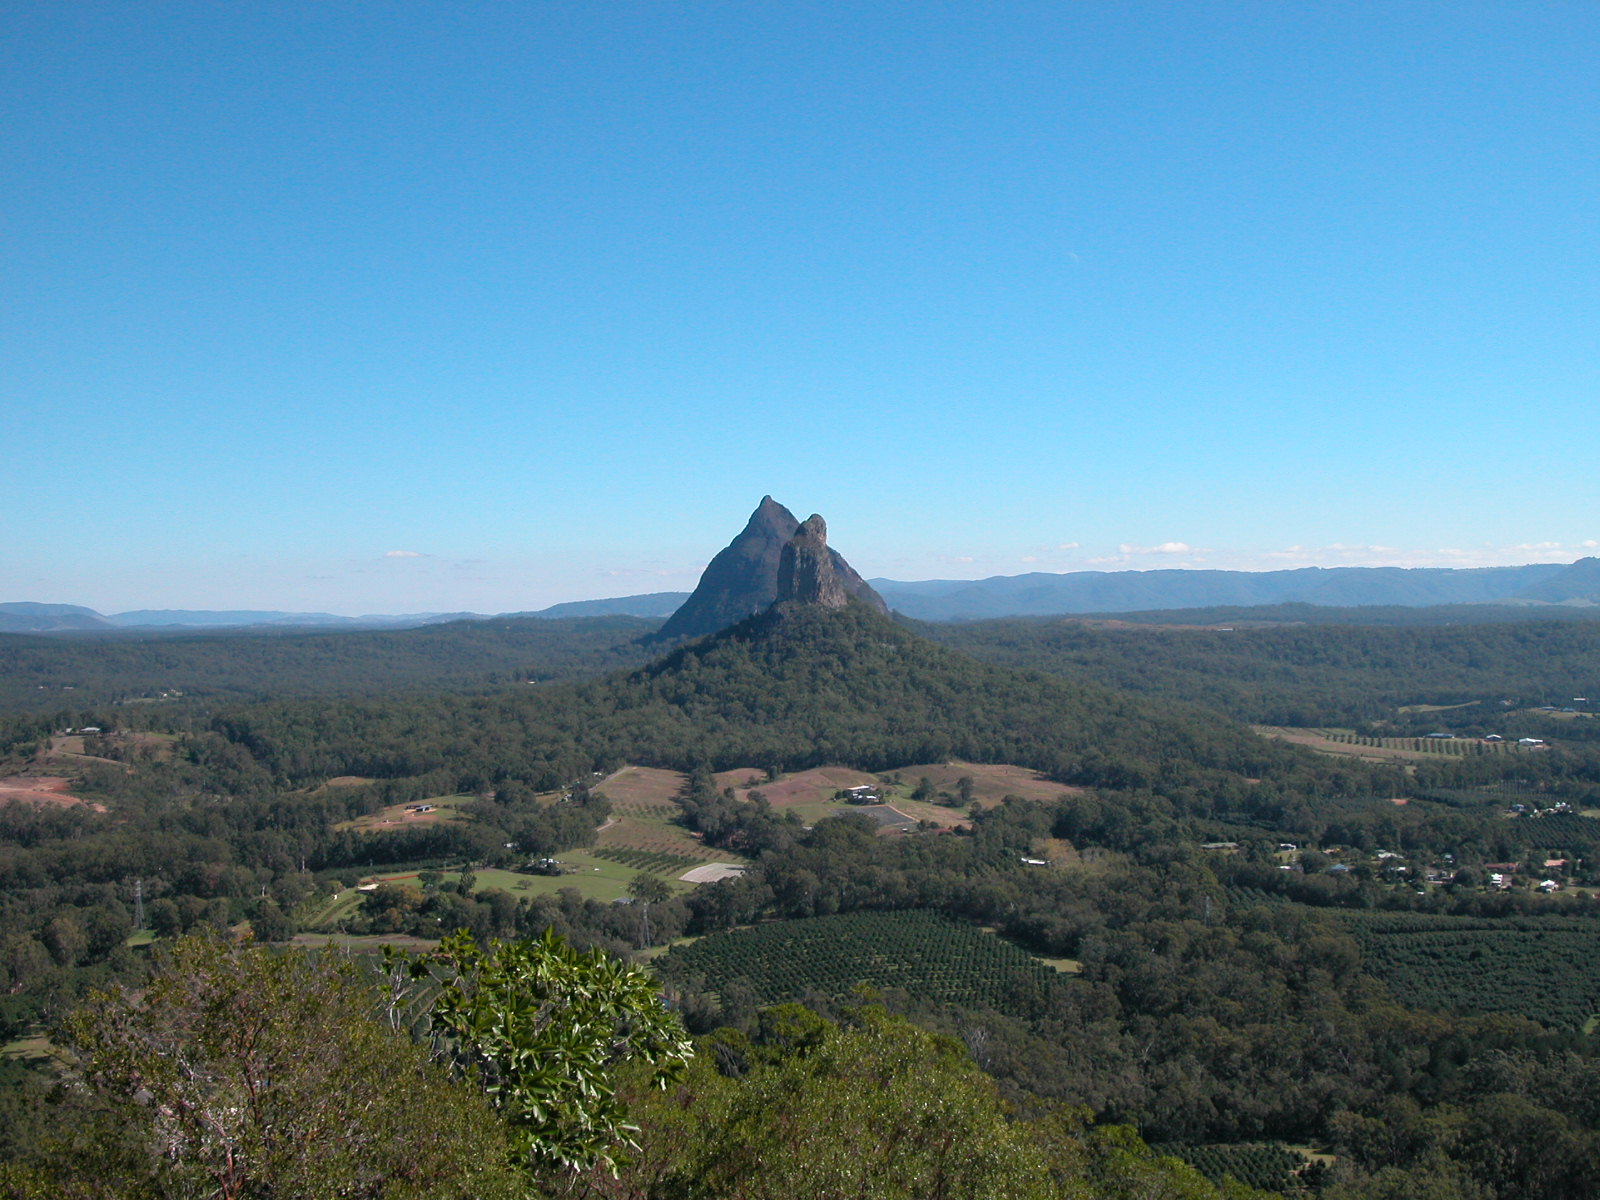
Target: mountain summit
[811, 573]
[744, 577]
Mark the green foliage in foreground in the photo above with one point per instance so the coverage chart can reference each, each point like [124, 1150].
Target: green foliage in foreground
[241, 1073]
[873, 1110]
[543, 1027]
[920, 952]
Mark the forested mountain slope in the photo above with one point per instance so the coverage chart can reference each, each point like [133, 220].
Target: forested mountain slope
[1306, 674]
[793, 687]
[42, 673]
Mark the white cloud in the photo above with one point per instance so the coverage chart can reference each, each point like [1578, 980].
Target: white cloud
[1067, 546]
[403, 554]
[1030, 558]
[1163, 548]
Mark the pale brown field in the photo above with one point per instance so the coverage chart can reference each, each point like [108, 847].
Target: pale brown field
[807, 787]
[990, 783]
[393, 817]
[641, 789]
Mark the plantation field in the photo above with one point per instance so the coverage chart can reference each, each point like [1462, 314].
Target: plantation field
[1270, 1167]
[924, 953]
[655, 835]
[1384, 749]
[1543, 968]
[444, 808]
[644, 816]
[595, 877]
[1325, 741]
[339, 781]
[641, 789]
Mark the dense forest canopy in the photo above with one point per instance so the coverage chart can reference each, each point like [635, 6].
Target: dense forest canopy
[1213, 999]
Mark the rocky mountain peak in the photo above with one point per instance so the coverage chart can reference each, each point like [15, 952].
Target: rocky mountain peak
[744, 578]
[811, 572]
[806, 573]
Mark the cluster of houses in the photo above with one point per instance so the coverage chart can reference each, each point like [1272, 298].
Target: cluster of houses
[1552, 874]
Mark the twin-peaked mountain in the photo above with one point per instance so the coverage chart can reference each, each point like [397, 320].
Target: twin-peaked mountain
[774, 558]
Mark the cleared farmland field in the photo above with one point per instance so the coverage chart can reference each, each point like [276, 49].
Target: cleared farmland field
[990, 782]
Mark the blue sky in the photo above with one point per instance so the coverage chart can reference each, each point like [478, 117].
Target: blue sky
[432, 307]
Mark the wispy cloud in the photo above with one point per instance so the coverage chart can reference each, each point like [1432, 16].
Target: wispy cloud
[405, 554]
[1344, 554]
[1129, 549]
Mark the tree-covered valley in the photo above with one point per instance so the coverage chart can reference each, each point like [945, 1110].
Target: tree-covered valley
[1204, 939]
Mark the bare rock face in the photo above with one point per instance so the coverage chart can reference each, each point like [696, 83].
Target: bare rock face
[805, 572]
[744, 577]
[812, 573]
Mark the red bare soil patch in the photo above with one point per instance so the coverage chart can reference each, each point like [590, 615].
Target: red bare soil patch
[41, 789]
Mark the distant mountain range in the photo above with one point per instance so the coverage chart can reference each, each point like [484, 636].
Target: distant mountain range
[1036, 594]
[1040, 594]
